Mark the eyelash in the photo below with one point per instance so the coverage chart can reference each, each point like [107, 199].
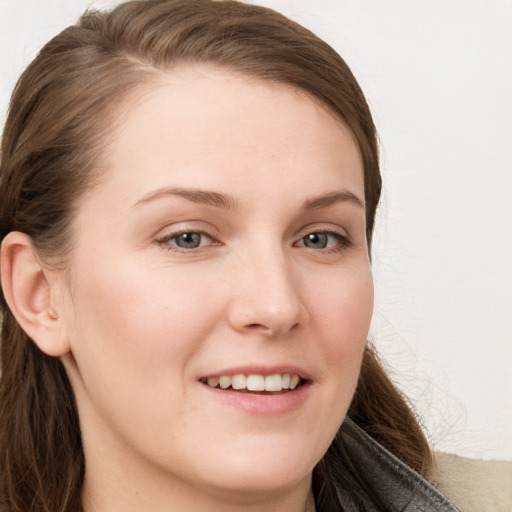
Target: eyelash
[168, 241]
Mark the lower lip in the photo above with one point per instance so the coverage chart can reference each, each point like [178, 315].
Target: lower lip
[262, 404]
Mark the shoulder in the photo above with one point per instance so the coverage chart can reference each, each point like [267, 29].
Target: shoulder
[474, 485]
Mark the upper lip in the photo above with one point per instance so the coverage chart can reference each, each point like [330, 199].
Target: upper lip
[262, 370]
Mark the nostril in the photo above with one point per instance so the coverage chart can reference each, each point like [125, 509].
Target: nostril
[259, 328]
[262, 327]
[270, 331]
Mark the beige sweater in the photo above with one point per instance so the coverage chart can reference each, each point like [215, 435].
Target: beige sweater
[475, 485]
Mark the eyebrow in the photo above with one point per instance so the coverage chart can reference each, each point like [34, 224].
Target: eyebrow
[228, 202]
[199, 196]
[344, 196]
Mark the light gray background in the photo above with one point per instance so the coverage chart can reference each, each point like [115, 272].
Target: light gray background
[438, 76]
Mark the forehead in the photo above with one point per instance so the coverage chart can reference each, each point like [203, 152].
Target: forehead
[206, 126]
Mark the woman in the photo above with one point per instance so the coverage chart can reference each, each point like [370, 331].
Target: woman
[188, 198]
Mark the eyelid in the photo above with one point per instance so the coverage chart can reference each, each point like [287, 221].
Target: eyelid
[188, 226]
[323, 228]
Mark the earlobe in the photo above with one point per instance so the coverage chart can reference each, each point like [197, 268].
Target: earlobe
[29, 290]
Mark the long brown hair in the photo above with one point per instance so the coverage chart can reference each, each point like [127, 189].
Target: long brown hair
[60, 116]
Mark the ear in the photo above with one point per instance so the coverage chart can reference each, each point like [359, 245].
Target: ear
[30, 290]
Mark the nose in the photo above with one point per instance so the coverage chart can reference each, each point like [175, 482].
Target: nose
[267, 298]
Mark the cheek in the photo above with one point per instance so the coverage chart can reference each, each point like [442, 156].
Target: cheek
[133, 335]
[342, 305]
[133, 331]
[342, 315]
[136, 309]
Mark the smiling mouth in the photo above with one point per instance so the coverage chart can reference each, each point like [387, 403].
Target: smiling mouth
[255, 383]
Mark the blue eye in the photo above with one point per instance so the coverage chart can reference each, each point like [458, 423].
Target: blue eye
[323, 240]
[187, 240]
[316, 240]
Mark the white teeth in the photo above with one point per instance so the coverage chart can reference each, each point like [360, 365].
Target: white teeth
[239, 382]
[255, 382]
[213, 381]
[273, 383]
[225, 381]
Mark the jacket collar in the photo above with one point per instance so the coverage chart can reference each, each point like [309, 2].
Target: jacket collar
[396, 483]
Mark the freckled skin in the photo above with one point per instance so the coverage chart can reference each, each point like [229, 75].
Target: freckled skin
[146, 319]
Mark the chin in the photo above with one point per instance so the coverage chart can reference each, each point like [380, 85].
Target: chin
[258, 482]
[262, 471]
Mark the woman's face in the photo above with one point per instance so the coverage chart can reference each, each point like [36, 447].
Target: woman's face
[226, 238]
